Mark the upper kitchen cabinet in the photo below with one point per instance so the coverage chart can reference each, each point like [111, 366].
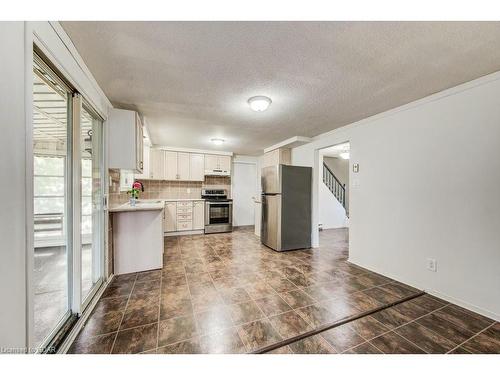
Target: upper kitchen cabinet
[156, 164]
[217, 165]
[275, 157]
[125, 135]
[146, 169]
[171, 169]
[196, 167]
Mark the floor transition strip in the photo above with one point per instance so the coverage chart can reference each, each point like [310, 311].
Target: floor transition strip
[337, 323]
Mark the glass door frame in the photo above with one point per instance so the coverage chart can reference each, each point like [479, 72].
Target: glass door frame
[98, 263]
[73, 190]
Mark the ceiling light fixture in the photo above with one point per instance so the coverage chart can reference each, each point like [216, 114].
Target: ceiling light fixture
[259, 103]
[344, 155]
[217, 141]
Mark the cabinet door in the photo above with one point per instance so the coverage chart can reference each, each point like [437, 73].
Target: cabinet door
[225, 164]
[139, 143]
[156, 164]
[211, 162]
[146, 170]
[171, 172]
[170, 217]
[183, 166]
[198, 215]
[197, 166]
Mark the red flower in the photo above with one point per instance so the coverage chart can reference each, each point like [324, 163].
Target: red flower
[137, 185]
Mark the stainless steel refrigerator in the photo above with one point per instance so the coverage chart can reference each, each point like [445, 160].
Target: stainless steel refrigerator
[286, 207]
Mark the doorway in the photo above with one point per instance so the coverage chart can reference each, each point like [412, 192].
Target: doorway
[244, 192]
[333, 194]
[68, 214]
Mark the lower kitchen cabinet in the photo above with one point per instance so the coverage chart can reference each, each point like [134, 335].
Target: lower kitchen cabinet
[170, 222]
[198, 215]
[182, 216]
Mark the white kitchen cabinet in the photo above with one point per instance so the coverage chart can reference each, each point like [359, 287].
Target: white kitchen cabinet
[217, 165]
[275, 157]
[156, 164]
[170, 222]
[211, 162]
[146, 166]
[196, 167]
[170, 165]
[184, 215]
[198, 215]
[125, 137]
[183, 166]
[225, 164]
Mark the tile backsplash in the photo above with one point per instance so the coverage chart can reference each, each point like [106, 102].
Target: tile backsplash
[159, 189]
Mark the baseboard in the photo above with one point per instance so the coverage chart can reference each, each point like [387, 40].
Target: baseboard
[443, 296]
[66, 344]
[183, 233]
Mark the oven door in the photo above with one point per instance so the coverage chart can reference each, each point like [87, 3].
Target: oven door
[218, 213]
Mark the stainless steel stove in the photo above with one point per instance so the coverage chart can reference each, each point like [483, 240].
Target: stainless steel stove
[218, 211]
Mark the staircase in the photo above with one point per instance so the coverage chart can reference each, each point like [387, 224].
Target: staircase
[335, 186]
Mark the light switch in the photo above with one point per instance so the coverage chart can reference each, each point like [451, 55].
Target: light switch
[355, 168]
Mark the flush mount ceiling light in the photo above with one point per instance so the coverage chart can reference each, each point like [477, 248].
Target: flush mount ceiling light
[217, 141]
[259, 103]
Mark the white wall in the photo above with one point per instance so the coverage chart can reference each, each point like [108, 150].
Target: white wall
[428, 187]
[331, 212]
[16, 216]
[13, 188]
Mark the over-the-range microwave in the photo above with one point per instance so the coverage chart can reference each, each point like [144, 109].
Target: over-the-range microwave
[216, 172]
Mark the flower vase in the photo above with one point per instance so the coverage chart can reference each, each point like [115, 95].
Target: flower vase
[133, 201]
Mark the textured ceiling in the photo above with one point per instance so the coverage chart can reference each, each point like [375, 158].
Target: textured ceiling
[191, 80]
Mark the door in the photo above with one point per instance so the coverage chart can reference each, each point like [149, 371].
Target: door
[218, 213]
[197, 166]
[225, 164]
[198, 215]
[139, 143]
[244, 191]
[170, 217]
[157, 164]
[211, 162]
[146, 169]
[52, 189]
[270, 180]
[170, 165]
[68, 206]
[92, 210]
[270, 234]
[183, 166]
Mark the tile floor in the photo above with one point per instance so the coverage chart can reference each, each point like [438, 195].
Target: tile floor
[227, 293]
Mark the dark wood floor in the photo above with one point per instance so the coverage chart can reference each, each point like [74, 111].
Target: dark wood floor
[226, 293]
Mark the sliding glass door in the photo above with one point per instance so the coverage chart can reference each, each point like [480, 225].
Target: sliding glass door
[68, 203]
[92, 210]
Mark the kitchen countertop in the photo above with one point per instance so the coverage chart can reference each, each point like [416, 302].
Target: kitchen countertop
[140, 206]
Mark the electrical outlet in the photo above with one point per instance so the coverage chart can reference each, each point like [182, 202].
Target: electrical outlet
[431, 264]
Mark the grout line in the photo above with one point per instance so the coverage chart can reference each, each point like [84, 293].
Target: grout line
[470, 338]
[159, 307]
[335, 324]
[123, 316]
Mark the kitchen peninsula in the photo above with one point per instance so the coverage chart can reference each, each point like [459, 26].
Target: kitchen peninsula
[138, 236]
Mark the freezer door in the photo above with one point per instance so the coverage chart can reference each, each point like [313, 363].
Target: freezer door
[270, 230]
[271, 180]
